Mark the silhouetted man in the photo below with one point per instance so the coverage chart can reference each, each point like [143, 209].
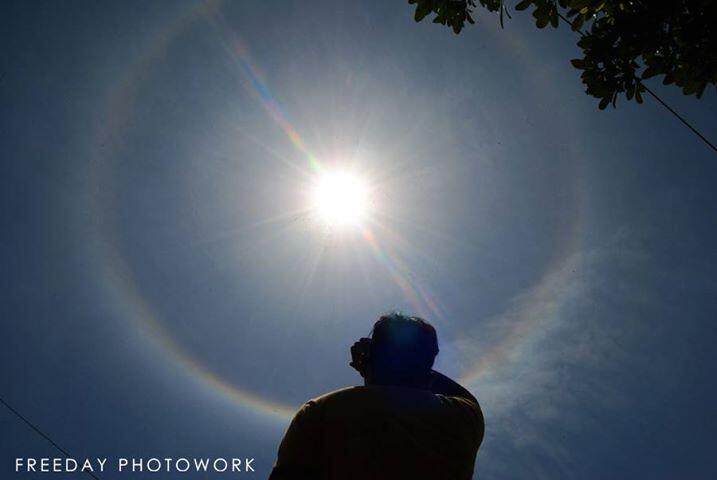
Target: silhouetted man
[406, 422]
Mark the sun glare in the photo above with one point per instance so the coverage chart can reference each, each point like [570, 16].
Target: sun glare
[340, 199]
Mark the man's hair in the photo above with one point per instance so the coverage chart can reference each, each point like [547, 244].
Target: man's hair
[403, 348]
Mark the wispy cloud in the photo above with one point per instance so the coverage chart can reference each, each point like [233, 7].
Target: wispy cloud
[540, 362]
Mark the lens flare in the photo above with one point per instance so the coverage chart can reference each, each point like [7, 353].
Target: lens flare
[340, 199]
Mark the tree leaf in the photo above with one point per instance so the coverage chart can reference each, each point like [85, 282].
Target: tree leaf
[650, 72]
[630, 92]
[523, 5]
[422, 9]
[554, 19]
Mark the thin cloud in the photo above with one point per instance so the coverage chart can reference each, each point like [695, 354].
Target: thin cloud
[549, 355]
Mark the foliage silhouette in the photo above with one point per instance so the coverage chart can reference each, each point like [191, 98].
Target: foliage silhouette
[623, 41]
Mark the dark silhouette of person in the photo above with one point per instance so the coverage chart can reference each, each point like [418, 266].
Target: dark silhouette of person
[407, 421]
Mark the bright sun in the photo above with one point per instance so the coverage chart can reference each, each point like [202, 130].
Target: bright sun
[341, 199]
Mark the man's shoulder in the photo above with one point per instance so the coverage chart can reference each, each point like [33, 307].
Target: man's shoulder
[357, 392]
[315, 405]
[336, 395]
[371, 395]
[464, 404]
[358, 401]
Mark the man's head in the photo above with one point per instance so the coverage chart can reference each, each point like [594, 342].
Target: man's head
[403, 349]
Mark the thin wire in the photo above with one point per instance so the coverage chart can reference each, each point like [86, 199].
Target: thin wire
[687, 124]
[40, 432]
[654, 95]
[562, 17]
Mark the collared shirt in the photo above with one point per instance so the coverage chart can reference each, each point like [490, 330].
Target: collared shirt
[381, 432]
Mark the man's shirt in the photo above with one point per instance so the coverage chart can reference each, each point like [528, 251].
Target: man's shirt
[380, 432]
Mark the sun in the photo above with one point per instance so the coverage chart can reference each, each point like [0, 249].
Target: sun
[340, 198]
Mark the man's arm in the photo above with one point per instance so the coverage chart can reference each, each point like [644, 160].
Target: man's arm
[299, 449]
[443, 385]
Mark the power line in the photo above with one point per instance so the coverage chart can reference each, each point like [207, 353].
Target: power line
[687, 124]
[654, 95]
[40, 432]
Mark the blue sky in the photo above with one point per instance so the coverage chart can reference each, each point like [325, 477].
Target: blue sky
[164, 293]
